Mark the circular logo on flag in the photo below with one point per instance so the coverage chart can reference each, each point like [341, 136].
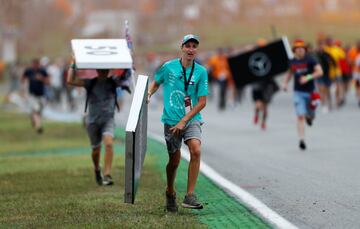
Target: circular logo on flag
[259, 64]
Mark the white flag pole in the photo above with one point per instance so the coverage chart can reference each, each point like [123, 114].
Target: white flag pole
[131, 48]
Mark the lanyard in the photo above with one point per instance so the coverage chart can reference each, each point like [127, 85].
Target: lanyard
[187, 82]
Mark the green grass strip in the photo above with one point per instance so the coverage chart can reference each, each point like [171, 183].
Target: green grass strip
[220, 210]
[52, 188]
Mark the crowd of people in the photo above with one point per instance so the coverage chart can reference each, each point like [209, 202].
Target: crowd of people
[340, 64]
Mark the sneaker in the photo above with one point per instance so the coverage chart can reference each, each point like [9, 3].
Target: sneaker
[309, 120]
[190, 201]
[40, 130]
[263, 126]
[171, 205]
[108, 180]
[302, 145]
[256, 119]
[98, 177]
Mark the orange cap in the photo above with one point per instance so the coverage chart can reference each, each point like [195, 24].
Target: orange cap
[299, 43]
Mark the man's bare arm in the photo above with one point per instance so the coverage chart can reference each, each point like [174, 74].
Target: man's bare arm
[286, 80]
[152, 89]
[317, 73]
[196, 109]
[72, 79]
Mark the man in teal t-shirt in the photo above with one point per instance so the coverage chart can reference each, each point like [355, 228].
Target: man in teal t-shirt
[185, 85]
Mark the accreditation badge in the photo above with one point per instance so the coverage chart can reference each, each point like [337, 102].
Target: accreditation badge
[188, 104]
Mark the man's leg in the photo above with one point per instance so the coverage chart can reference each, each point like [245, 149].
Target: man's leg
[264, 117]
[301, 102]
[323, 95]
[301, 127]
[36, 119]
[329, 97]
[257, 111]
[95, 141]
[173, 143]
[339, 92]
[95, 156]
[190, 200]
[109, 153]
[301, 131]
[171, 167]
[222, 101]
[108, 158]
[194, 165]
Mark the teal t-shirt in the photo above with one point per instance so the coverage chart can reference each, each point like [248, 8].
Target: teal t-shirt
[171, 76]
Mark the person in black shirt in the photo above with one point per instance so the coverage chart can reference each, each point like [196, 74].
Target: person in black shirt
[262, 93]
[304, 69]
[37, 78]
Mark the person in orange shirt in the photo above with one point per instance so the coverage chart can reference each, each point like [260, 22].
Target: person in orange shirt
[353, 52]
[219, 68]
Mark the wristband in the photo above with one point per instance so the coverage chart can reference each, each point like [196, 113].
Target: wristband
[309, 77]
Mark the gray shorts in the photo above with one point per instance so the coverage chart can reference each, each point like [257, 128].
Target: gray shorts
[36, 103]
[173, 142]
[97, 130]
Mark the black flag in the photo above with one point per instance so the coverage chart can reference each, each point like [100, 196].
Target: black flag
[261, 63]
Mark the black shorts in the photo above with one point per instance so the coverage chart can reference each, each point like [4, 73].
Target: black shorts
[258, 95]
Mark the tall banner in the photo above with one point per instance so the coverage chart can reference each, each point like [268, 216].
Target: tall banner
[261, 63]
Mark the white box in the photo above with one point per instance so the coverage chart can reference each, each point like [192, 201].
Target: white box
[101, 53]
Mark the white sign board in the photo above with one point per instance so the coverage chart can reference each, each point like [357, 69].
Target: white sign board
[137, 102]
[136, 139]
[101, 53]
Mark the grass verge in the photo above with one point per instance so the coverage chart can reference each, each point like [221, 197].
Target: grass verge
[47, 181]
